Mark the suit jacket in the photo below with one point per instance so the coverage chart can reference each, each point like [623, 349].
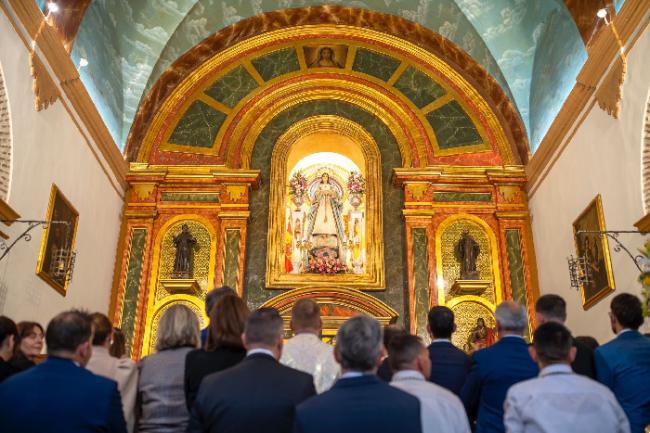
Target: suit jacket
[199, 364]
[6, 370]
[584, 362]
[257, 395]
[360, 404]
[623, 365]
[493, 371]
[449, 366]
[57, 396]
[123, 371]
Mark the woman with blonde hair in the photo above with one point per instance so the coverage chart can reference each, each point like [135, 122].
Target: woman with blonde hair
[161, 399]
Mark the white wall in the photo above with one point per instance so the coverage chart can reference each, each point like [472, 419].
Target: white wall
[49, 148]
[604, 156]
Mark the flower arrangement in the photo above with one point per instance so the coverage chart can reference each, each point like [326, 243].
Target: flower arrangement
[298, 184]
[644, 278]
[326, 265]
[356, 183]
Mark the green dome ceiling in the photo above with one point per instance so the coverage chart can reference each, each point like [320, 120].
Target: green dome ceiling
[531, 47]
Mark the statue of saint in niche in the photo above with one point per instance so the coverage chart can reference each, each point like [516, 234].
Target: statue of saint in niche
[324, 227]
[480, 337]
[326, 59]
[184, 261]
[467, 251]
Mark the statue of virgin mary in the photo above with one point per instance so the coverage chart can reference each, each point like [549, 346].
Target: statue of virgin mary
[324, 228]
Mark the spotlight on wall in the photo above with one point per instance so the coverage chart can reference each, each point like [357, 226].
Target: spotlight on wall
[83, 62]
[602, 13]
[52, 7]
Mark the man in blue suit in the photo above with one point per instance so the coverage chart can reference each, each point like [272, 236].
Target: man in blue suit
[449, 364]
[495, 369]
[623, 364]
[60, 395]
[359, 401]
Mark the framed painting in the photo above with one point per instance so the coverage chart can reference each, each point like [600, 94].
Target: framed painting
[58, 241]
[595, 249]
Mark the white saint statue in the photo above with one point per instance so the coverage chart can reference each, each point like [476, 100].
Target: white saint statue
[324, 223]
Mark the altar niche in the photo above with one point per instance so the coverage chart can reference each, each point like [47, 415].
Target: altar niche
[325, 218]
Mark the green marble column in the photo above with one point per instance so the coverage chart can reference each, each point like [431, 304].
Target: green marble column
[516, 267]
[421, 274]
[132, 285]
[231, 262]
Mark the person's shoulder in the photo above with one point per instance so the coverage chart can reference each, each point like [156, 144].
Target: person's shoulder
[525, 386]
[294, 374]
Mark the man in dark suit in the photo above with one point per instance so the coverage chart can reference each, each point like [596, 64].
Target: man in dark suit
[552, 308]
[359, 401]
[60, 395]
[449, 364]
[496, 368]
[623, 364]
[257, 395]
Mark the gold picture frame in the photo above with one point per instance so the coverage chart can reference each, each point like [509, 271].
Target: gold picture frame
[59, 209]
[596, 249]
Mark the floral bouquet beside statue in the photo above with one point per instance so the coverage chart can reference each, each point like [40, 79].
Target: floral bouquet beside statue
[326, 265]
[356, 183]
[298, 187]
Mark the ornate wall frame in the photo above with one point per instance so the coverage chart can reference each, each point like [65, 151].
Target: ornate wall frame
[373, 279]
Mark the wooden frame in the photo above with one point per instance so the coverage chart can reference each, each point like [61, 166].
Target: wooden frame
[58, 209]
[596, 248]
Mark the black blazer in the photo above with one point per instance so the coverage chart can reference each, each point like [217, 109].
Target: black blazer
[449, 366]
[200, 363]
[584, 362]
[257, 395]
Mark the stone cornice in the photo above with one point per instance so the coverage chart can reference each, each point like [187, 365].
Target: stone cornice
[67, 77]
[603, 54]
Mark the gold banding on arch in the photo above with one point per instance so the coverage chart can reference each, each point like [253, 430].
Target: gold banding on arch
[373, 277]
[381, 97]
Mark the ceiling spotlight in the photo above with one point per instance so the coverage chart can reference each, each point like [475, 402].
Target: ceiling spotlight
[83, 62]
[602, 13]
[52, 7]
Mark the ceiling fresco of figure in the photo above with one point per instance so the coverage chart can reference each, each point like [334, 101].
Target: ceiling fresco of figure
[532, 48]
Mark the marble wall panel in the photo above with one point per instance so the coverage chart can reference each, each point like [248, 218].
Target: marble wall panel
[375, 64]
[232, 87]
[418, 87]
[516, 266]
[452, 126]
[462, 197]
[198, 126]
[277, 63]
[190, 197]
[231, 262]
[392, 201]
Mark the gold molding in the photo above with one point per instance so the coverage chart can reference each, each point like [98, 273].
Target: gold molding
[643, 225]
[7, 213]
[610, 92]
[373, 279]
[631, 21]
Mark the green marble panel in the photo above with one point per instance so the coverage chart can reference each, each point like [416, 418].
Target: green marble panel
[453, 127]
[516, 267]
[231, 262]
[277, 63]
[462, 196]
[375, 64]
[198, 127]
[232, 87]
[132, 285]
[190, 196]
[421, 274]
[392, 201]
[418, 87]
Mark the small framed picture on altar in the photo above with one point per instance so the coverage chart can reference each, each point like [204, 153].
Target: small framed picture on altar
[56, 257]
[593, 247]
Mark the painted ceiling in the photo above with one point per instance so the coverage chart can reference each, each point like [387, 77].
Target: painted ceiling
[533, 48]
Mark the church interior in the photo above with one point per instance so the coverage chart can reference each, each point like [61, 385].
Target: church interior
[377, 157]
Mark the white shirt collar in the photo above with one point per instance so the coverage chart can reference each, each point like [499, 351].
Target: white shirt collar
[351, 374]
[407, 375]
[441, 340]
[555, 369]
[625, 330]
[261, 351]
[513, 336]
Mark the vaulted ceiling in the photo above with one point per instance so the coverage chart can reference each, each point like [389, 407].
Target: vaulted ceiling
[533, 48]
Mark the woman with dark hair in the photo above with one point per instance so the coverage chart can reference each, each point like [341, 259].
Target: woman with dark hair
[29, 345]
[224, 347]
[118, 346]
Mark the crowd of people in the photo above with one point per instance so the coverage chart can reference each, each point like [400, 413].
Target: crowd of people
[239, 374]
